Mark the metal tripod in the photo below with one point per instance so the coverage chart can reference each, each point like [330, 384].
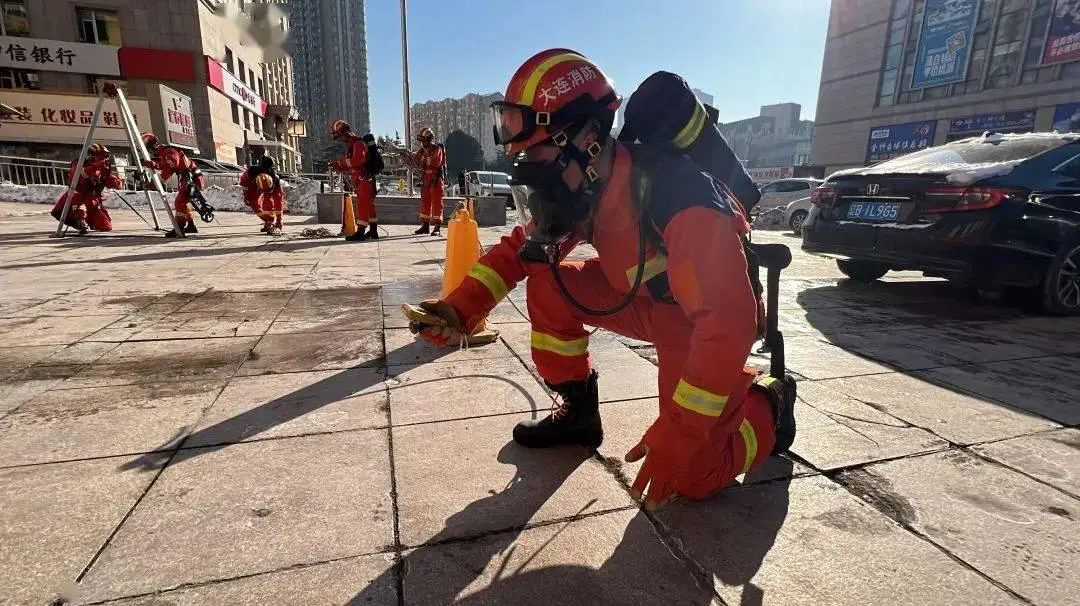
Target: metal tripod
[141, 154]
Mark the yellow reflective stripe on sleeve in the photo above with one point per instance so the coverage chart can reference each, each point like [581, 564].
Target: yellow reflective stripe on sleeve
[653, 267]
[528, 93]
[690, 132]
[750, 439]
[576, 347]
[491, 279]
[699, 400]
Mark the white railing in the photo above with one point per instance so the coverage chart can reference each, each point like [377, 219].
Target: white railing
[31, 171]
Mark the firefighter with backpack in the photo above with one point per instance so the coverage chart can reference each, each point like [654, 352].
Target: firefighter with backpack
[671, 268]
[363, 162]
[171, 161]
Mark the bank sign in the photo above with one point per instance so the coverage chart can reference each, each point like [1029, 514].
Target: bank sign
[231, 86]
[945, 43]
[893, 141]
[58, 56]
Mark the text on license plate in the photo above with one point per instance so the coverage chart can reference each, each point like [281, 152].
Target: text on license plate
[874, 211]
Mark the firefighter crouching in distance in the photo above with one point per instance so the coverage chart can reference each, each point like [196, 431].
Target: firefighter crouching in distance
[87, 211]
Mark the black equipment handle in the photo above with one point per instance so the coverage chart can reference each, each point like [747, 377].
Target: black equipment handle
[775, 258]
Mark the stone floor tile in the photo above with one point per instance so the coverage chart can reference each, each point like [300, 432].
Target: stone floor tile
[1037, 385]
[171, 360]
[1053, 457]
[223, 302]
[332, 583]
[439, 392]
[56, 517]
[218, 513]
[1033, 527]
[294, 404]
[18, 358]
[933, 347]
[366, 297]
[481, 481]
[815, 359]
[837, 431]
[83, 352]
[809, 542]
[70, 424]
[616, 558]
[949, 412]
[52, 330]
[183, 325]
[322, 351]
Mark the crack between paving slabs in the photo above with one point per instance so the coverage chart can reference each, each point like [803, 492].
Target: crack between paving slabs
[1027, 475]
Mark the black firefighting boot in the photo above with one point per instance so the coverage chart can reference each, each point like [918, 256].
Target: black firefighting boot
[359, 236]
[781, 395]
[435, 230]
[424, 229]
[190, 228]
[373, 232]
[576, 419]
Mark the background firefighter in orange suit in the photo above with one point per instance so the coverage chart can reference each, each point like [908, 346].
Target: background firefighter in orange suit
[431, 158]
[169, 161]
[685, 249]
[355, 162]
[263, 193]
[86, 211]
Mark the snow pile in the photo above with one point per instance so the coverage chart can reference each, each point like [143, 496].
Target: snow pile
[771, 219]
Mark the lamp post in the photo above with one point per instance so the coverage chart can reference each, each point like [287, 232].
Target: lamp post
[405, 83]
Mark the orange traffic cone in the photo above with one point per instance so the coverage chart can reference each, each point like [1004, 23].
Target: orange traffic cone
[348, 217]
[462, 247]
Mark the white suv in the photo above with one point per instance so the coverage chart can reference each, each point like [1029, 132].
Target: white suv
[779, 194]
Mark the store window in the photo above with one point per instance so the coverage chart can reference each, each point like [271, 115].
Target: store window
[17, 78]
[99, 27]
[236, 113]
[15, 22]
[241, 71]
[1012, 29]
[228, 59]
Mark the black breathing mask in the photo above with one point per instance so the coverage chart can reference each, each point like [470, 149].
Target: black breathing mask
[543, 199]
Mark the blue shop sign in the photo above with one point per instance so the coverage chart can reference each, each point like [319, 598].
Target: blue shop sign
[888, 142]
[1003, 122]
[945, 44]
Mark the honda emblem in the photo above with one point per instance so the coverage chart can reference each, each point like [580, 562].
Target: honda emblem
[873, 189]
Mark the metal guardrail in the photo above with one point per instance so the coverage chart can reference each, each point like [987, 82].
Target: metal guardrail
[31, 171]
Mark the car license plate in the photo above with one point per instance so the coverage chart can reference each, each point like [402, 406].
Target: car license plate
[874, 211]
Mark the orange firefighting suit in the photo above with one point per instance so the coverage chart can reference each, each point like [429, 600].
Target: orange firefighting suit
[86, 201]
[431, 157]
[711, 427]
[268, 205]
[363, 185]
[170, 160]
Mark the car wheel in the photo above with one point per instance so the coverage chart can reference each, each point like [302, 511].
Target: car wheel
[862, 271]
[1061, 287]
[797, 219]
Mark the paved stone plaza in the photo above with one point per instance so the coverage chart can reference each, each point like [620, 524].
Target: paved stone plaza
[238, 419]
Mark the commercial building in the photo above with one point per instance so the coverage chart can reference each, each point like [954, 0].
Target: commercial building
[187, 77]
[470, 114]
[901, 75]
[329, 50]
[777, 139]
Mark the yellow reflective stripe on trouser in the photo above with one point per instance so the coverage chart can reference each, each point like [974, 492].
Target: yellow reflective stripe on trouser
[699, 400]
[653, 267]
[491, 279]
[750, 439]
[528, 92]
[690, 132]
[576, 347]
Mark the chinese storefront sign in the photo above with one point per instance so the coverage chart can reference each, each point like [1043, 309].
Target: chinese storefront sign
[179, 124]
[771, 173]
[1067, 118]
[58, 56]
[64, 118]
[231, 86]
[1004, 122]
[945, 43]
[888, 142]
[1063, 33]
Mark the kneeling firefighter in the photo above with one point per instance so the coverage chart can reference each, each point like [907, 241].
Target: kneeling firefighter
[655, 219]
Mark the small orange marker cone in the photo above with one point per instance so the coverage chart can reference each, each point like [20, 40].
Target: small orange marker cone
[348, 217]
[462, 247]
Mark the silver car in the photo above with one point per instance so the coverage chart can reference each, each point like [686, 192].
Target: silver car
[779, 194]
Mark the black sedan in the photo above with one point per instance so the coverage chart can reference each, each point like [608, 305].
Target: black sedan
[997, 211]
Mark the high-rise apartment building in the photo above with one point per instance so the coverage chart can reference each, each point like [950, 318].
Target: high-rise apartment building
[329, 47]
[470, 114]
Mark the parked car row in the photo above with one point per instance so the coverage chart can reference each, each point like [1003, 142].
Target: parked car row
[997, 212]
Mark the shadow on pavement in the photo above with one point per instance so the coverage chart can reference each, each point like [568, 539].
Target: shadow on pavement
[728, 537]
[172, 253]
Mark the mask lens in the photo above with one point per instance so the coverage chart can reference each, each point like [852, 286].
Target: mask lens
[509, 123]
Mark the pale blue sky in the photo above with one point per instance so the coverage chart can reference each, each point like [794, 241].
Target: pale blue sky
[746, 53]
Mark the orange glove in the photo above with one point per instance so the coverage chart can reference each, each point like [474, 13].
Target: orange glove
[668, 447]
